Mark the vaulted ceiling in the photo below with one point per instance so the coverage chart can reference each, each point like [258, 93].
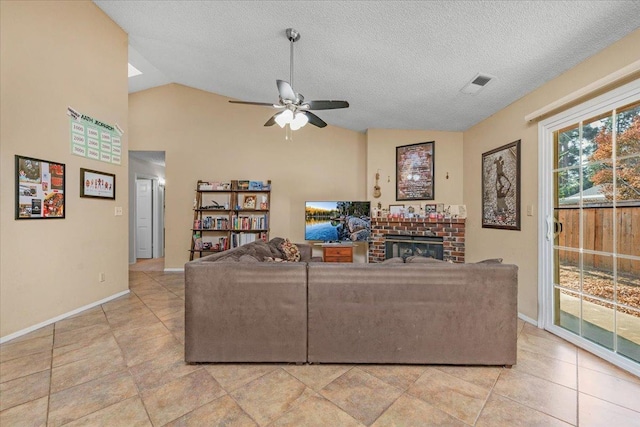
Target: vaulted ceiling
[400, 64]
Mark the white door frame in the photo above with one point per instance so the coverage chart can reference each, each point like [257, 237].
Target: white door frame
[608, 101]
[157, 232]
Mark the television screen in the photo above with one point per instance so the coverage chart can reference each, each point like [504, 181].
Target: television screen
[339, 221]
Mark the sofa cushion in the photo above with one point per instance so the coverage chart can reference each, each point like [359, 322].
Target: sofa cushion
[490, 261]
[248, 258]
[423, 260]
[274, 259]
[394, 260]
[290, 251]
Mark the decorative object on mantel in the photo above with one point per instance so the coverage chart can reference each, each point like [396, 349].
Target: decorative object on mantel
[455, 211]
[396, 210]
[501, 187]
[414, 171]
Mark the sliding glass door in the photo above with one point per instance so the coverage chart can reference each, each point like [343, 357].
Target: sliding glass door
[591, 271]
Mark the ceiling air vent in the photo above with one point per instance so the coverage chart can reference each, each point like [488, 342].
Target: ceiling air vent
[477, 83]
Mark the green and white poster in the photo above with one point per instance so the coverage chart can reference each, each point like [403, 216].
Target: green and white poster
[94, 139]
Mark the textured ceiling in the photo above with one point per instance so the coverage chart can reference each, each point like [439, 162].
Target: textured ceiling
[155, 157]
[400, 65]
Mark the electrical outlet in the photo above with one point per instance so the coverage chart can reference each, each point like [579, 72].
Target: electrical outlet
[118, 211]
[101, 277]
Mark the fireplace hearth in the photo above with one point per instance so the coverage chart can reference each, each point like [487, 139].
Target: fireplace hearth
[448, 231]
[406, 246]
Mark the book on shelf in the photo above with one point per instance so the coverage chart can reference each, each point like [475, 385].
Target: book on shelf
[252, 222]
[214, 185]
[255, 185]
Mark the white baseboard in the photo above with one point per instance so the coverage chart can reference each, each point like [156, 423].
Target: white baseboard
[61, 317]
[168, 270]
[527, 319]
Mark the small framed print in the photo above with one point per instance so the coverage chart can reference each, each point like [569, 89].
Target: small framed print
[40, 189]
[396, 209]
[97, 185]
[249, 201]
[428, 209]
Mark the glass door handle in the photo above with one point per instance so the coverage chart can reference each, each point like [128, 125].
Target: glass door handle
[549, 228]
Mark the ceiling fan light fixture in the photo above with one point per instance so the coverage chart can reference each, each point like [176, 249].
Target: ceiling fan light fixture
[299, 120]
[284, 118]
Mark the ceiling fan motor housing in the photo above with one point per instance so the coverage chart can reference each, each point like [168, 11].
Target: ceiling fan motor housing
[293, 35]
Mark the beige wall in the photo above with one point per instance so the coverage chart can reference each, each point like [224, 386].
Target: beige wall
[520, 247]
[207, 138]
[381, 155]
[54, 55]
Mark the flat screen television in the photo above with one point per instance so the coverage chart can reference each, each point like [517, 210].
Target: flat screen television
[337, 221]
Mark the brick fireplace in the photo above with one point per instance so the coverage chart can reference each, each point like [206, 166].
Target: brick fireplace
[451, 231]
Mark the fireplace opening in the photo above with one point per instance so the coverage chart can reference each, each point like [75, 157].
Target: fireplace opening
[405, 246]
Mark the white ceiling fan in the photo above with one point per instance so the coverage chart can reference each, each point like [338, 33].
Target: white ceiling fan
[296, 112]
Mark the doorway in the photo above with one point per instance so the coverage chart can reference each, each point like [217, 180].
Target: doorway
[589, 249]
[146, 201]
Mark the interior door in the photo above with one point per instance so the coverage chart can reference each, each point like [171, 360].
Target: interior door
[144, 218]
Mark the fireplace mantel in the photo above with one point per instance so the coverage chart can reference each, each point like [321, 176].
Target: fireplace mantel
[451, 231]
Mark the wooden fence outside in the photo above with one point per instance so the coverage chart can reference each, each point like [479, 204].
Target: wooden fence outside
[598, 236]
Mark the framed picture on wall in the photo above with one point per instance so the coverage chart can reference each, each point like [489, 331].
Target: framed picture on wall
[501, 187]
[40, 186]
[414, 171]
[99, 185]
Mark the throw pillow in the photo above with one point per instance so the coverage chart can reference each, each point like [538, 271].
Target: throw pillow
[490, 261]
[290, 251]
[272, 259]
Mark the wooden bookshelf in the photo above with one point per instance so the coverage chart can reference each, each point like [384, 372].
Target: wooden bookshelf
[228, 214]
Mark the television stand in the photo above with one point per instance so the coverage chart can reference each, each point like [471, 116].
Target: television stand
[337, 252]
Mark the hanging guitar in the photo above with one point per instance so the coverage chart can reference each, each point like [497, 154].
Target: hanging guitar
[376, 188]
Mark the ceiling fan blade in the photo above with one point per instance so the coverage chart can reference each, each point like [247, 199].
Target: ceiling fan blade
[266, 104]
[327, 105]
[285, 90]
[315, 120]
[272, 120]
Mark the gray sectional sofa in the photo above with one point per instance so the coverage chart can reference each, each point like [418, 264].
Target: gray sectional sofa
[239, 309]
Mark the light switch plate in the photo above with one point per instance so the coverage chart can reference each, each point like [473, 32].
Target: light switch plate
[118, 211]
[529, 210]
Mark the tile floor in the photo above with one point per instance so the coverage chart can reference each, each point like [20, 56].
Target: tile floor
[121, 364]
